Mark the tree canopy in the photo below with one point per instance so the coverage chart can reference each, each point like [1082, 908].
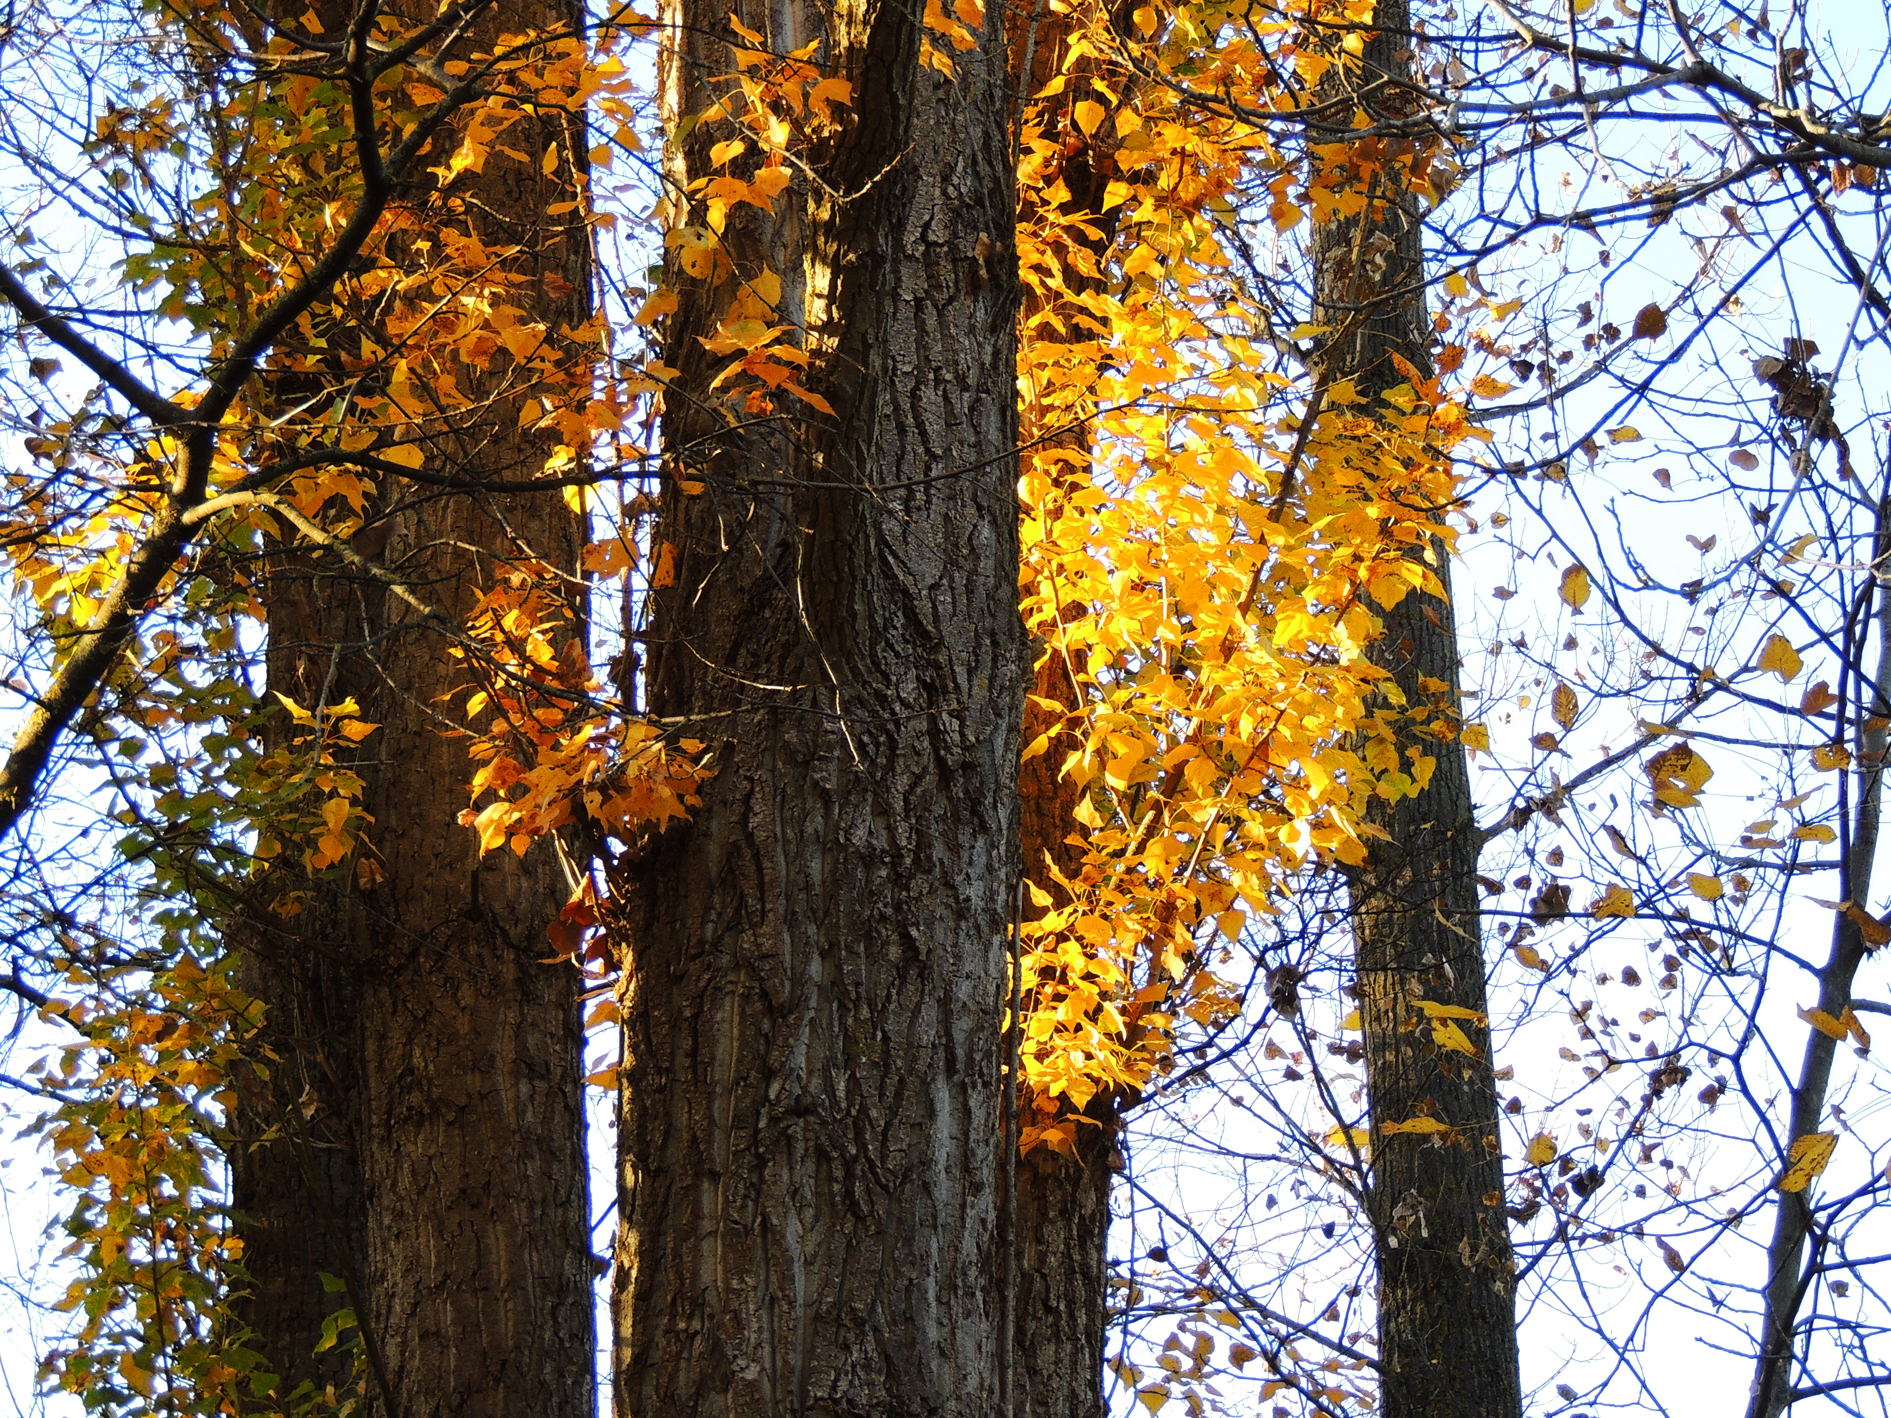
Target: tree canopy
[1484, 395]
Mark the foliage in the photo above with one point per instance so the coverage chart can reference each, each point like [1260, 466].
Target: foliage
[1209, 533]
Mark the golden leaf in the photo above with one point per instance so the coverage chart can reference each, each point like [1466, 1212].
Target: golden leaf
[1678, 774]
[1779, 656]
[1575, 588]
[1806, 1160]
[1528, 958]
[1708, 888]
[1825, 1023]
[1614, 901]
[1541, 1151]
[1818, 698]
[1420, 1125]
[1627, 433]
[1814, 832]
[1856, 1030]
[1088, 114]
[665, 573]
[1563, 705]
[1446, 1035]
[1831, 756]
[1434, 1010]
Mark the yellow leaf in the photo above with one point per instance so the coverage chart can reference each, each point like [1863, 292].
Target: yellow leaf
[1456, 285]
[1563, 705]
[296, 711]
[1541, 1151]
[1415, 1125]
[1486, 387]
[1089, 115]
[355, 730]
[1528, 958]
[1446, 1035]
[1475, 737]
[406, 455]
[607, 558]
[1627, 433]
[1818, 698]
[1229, 923]
[1806, 1160]
[1825, 1023]
[549, 163]
[1575, 588]
[1352, 1021]
[1780, 657]
[1814, 832]
[831, 91]
[1153, 1399]
[1830, 756]
[1708, 888]
[665, 573]
[603, 1078]
[1339, 1137]
[1241, 1356]
[1856, 1030]
[1614, 901]
[1434, 1010]
[1678, 774]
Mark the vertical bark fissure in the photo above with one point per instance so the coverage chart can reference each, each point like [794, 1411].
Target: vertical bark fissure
[810, 1124]
[1447, 1312]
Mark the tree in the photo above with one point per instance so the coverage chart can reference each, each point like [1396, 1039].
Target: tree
[417, 1030]
[1229, 493]
[812, 963]
[366, 476]
[1446, 1302]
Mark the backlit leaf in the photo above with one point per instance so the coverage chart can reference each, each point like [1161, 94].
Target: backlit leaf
[1779, 656]
[1575, 588]
[1807, 1160]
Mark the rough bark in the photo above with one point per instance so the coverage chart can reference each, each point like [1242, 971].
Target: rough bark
[426, 1102]
[814, 962]
[1447, 1311]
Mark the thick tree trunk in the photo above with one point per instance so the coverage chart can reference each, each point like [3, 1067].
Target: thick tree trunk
[1447, 1310]
[427, 1106]
[814, 962]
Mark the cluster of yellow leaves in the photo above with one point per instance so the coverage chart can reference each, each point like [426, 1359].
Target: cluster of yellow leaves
[1202, 570]
[548, 749]
[134, 1139]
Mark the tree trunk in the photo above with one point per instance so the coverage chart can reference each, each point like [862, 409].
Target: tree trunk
[1063, 1204]
[814, 961]
[427, 1103]
[1787, 1284]
[1447, 1310]
[1062, 1215]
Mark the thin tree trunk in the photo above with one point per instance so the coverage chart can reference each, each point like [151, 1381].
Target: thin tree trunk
[1063, 1203]
[426, 1104]
[1786, 1285]
[1447, 1310]
[814, 962]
